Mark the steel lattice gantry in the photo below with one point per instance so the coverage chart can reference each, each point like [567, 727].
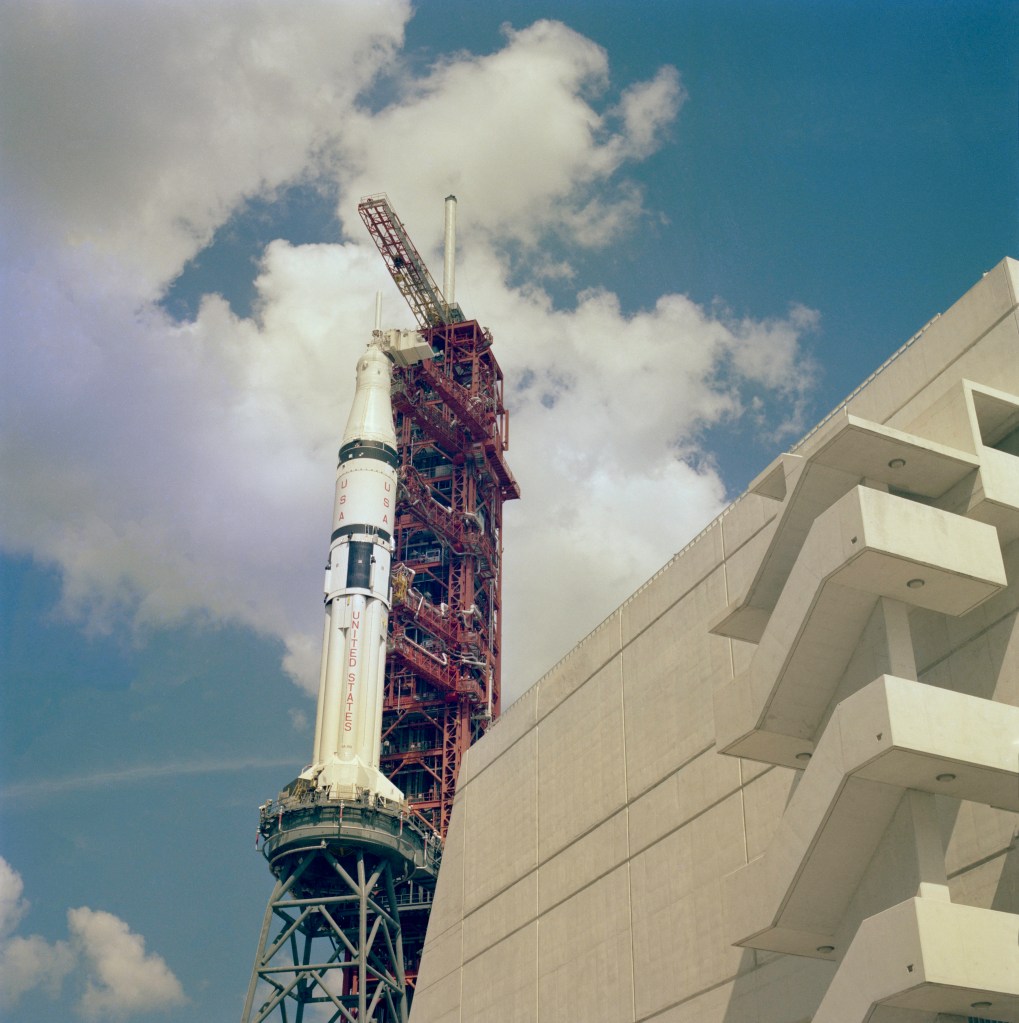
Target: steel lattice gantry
[444, 680]
[443, 677]
[443, 674]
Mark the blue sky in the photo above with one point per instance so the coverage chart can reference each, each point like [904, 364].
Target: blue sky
[692, 227]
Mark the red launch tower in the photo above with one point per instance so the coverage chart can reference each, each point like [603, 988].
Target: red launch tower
[443, 682]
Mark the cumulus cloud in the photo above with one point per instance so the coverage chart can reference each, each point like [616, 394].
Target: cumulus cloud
[138, 128]
[647, 108]
[12, 906]
[122, 976]
[32, 962]
[535, 142]
[28, 962]
[606, 408]
[181, 470]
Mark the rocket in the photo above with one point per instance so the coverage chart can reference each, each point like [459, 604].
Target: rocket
[348, 723]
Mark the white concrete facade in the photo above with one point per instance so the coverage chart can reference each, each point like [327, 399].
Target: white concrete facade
[781, 782]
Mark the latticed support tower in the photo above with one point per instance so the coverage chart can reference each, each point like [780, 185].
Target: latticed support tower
[443, 676]
[331, 946]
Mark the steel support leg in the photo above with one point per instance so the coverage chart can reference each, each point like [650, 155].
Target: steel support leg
[331, 938]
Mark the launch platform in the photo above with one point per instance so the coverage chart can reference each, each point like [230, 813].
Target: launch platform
[331, 936]
[303, 820]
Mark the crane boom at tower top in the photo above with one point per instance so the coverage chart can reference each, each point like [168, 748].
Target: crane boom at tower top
[405, 264]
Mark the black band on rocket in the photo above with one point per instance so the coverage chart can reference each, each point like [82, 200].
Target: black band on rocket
[369, 449]
[363, 528]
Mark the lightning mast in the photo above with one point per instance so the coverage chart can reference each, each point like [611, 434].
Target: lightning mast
[443, 673]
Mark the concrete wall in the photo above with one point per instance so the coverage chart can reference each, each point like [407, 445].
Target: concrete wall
[780, 782]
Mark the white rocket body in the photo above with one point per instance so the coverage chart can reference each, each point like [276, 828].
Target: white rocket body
[348, 725]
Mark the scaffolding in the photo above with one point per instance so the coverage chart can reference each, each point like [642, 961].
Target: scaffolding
[443, 674]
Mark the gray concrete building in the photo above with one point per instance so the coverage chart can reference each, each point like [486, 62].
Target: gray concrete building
[779, 783]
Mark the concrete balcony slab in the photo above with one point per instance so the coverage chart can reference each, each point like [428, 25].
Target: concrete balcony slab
[927, 956]
[844, 451]
[889, 737]
[868, 545]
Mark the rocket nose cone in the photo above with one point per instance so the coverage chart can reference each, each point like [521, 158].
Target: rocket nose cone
[371, 414]
[374, 362]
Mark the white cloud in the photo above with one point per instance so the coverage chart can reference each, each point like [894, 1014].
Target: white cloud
[605, 411]
[647, 109]
[122, 976]
[12, 906]
[533, 143]
[26, 962]
[138, 127]
[183, 471]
